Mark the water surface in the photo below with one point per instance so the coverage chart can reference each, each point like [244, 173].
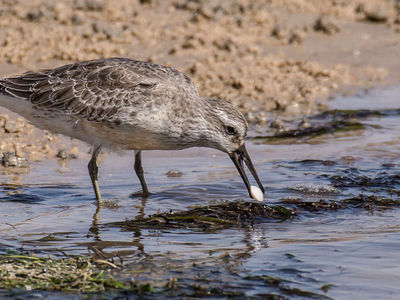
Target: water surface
[323, 253]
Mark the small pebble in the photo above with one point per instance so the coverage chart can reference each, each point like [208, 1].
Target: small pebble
[174, 173]
[62, 154]
[11, 160]
[326, 26]
[256, 193]
[11, 127]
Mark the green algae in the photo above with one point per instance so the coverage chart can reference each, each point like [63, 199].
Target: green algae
[211, 217]
[326, 287]
[314, 130]
[284, 288]
[370, 201]
[328, 122]
[69, 274]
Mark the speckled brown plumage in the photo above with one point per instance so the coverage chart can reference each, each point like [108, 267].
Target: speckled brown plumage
[97, 90]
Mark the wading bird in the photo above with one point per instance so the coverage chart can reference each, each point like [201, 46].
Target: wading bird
[126, 104]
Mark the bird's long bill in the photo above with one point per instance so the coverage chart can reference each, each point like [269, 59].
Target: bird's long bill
[238, 157]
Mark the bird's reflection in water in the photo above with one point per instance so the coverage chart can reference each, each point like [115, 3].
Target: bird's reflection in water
[178, 256]
[137, 233]
[254, 239]
[195, 262]
[99, 245]
[94, 229]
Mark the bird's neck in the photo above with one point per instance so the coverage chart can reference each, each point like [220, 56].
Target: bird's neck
[200, 125]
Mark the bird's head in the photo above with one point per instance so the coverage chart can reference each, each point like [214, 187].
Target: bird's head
[227, 131]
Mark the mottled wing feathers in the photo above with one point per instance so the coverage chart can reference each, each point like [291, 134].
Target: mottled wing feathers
[97, 90]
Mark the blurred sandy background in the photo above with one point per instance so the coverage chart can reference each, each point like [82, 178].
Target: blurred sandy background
[283, 56]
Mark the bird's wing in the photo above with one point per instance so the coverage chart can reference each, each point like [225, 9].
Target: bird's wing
[96, 90]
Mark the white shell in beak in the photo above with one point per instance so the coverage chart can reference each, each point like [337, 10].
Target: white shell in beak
[256, 193]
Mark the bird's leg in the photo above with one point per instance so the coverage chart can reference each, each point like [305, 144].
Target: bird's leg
[93, 169]
[139, 172]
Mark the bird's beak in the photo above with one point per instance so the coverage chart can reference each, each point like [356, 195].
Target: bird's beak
[238, 157]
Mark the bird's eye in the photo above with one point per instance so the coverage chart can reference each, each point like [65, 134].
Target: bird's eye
[230, 130]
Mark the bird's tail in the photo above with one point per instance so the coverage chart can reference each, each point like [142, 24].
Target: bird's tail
[14, 96]
[15, 87]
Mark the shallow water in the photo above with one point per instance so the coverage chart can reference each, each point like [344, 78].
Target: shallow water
[351, 252]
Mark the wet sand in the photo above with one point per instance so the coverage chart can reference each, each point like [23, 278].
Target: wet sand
[286, 57]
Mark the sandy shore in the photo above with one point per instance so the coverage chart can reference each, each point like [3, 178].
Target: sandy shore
[284, 56]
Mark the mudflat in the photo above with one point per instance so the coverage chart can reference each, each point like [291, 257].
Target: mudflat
[284, 57]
